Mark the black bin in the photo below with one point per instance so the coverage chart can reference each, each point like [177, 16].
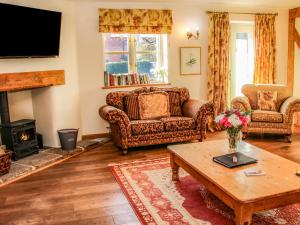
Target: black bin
[68, 138]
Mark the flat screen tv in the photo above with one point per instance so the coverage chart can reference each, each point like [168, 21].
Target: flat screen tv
[28, 32]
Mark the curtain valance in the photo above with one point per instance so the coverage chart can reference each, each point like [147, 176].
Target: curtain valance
[135, 21]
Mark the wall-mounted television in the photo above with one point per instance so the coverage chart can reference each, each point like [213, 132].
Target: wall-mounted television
[27, 32]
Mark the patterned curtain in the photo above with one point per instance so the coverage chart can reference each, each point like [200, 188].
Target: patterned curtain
[135, 21]
[265, 49]
[218, 60]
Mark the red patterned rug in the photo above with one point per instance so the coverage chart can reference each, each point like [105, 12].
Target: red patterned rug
[157, 200]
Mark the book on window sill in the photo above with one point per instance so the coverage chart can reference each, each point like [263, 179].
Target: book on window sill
[135, 85]
[125, 79]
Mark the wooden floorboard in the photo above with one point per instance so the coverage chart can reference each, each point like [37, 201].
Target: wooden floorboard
[82, 190]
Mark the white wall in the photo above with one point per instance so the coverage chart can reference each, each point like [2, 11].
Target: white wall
[76, 103]
[55, 107]
[282, 24]
[90, 56]
[20, 105]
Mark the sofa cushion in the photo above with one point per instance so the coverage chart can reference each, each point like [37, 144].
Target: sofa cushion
[183, 92]
[266, 116]
[250, 91]
[174, 100]
[139, 127]
[153, 105]
[178, 123]
[267, 100]
[175, 106]
[116, 98]
[132, 106]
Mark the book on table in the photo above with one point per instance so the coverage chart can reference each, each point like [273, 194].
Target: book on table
[229, 162]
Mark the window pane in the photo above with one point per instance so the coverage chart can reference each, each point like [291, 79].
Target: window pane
[116, 63]
[244, 62]
[242, 36]
[146, 63]
[146, 42]
[116, 43]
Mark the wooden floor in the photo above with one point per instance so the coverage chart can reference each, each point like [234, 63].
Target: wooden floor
[82, 190]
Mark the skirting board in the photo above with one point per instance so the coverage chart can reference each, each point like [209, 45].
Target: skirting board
[94, 136]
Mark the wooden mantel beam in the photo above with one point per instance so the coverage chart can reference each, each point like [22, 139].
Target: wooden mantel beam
[30, 80]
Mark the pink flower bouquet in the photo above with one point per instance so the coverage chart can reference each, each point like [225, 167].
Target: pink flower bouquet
[233, 121]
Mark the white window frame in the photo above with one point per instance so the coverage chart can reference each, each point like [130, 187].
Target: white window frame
[132, 52]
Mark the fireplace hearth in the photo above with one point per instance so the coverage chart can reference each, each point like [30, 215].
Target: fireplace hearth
[18, 136]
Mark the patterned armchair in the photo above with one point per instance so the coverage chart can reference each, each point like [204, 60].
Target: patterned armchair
[279, 121]
[186, 122]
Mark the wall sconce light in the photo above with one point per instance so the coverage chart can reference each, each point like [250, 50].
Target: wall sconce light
[191, 35]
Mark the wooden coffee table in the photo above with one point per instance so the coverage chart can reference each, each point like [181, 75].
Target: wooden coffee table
[245, 195]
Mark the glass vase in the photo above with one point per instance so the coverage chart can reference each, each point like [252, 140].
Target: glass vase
[234, 136]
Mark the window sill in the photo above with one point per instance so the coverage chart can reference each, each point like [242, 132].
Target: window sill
[135, 85]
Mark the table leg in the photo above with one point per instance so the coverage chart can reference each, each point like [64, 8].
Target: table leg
[243, 216]
[175, 168]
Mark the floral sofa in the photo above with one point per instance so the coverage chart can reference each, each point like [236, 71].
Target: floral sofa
[186, 121]
[277, 121]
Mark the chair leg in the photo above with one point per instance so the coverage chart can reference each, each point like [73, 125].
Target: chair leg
[124, 151]
[288, 138]
[244, 136]
[202, 137]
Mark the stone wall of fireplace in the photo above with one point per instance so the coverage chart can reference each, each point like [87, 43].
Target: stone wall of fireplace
[20, 105]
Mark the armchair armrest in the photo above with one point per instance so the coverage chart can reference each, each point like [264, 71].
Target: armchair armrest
[199, 110]
[241, 103]
[113, 115]
[289, 107]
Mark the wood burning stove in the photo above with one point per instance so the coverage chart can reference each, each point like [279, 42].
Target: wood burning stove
[18, 136]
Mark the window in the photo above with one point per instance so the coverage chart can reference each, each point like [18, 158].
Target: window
[242, 57]
[244, 61]
[137, 53]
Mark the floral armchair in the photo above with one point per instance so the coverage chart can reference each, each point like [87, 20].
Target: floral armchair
[277, 121]
[187, 120]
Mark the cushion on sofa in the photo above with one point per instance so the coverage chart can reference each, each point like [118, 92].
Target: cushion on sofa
[153, 105]
[266, 116]
[174, 100]
[250, 91]
[178, 123]
[139, 127]
[132, 106]
[267, 100]
[183, 92]
[116, 98]
[175, 106]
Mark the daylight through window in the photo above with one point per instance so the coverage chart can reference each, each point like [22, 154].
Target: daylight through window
[143, 54]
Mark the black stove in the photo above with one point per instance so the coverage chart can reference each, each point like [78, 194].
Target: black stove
[19, 136]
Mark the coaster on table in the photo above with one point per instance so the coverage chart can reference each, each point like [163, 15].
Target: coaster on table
[255, 173]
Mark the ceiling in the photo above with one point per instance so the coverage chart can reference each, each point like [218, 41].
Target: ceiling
[284, 4]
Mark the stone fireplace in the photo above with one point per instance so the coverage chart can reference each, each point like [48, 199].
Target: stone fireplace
[20, 136]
